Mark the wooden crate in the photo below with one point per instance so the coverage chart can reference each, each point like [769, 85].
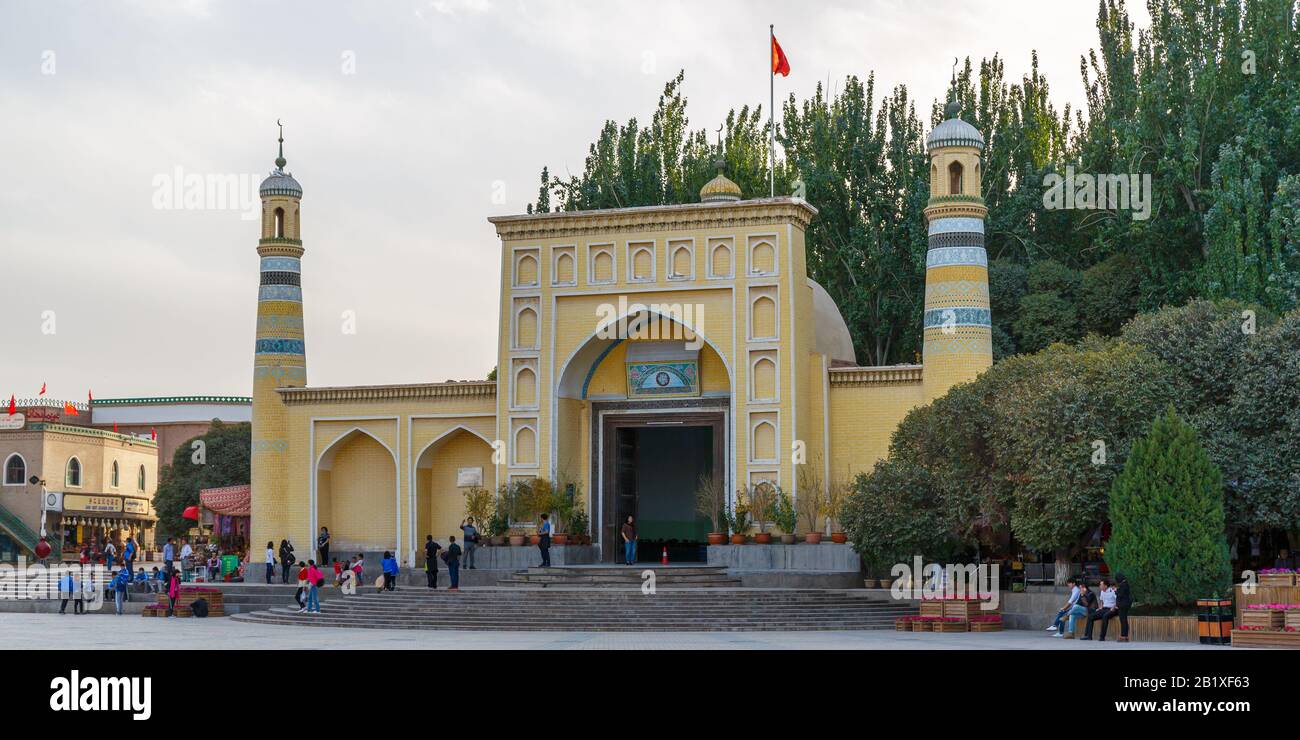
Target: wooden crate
[903, 624]
[922, 626]
[1267, 618]
[962, 626]
[962, 609]
[986, 626]
[1291, 618]
[1282, 580]
[1266, 639]
[932, 608]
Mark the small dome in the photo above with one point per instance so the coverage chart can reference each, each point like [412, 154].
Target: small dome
[719, 190]
[280, 183]
[955, 132]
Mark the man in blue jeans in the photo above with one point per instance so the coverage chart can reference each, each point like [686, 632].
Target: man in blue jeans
[1058, 624]
[452, 558]
[629, 541]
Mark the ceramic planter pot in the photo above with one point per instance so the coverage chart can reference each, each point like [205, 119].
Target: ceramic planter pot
[787, 539]
[533, 539]
[813, 538]
[560, 539]
[737, 539]
[763, 538]
[717, 538]
[868, 583]
[517, 540]
[839, 538]
[500, 540]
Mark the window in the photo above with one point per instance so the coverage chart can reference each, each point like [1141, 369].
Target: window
[15, 470]
[139, 481]
[279, 223]
[73, 475]
[115, 474]
[954, 178]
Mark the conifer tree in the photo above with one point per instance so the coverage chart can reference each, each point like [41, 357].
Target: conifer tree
[1166, 514]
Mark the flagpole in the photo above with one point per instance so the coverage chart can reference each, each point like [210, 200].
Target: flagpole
[771, 111]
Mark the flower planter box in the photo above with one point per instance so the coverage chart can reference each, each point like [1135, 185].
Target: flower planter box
[1277, 579]
[1266, 639]
[1291, 618]
[932, 608]
[1267, 618]
[921, 625]
[962, 609]
[986, 626]
[948, 625]
[903, 624]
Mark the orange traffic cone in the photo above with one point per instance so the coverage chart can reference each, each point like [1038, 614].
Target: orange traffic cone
[664, 559]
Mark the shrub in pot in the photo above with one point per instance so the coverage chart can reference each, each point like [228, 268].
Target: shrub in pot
[711, 501]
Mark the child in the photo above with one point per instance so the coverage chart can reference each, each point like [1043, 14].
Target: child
[338, 573]
[300, 595]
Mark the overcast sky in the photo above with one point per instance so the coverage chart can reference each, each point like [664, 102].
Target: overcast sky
[407, 123]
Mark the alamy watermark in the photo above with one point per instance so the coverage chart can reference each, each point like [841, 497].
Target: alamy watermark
[922, 581]
[653, 321]
[181, 191]
[1085, 191]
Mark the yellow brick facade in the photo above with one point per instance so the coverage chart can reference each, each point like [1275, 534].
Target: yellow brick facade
[724, 283]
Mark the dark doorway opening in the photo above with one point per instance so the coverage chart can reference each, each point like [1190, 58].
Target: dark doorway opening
[652, 467]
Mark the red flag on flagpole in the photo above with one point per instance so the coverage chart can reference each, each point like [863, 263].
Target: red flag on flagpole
[780, 65]
[13, 405]
[90, 397]
[114, 427]
[42, 390]
[153, 434]
[69, 409]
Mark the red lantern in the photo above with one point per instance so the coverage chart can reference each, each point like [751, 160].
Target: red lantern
[42, 549]
[191, 512]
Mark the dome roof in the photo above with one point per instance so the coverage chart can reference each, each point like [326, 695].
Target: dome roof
[719, 190]
[955, 132]
[830, 333]
[280, 183]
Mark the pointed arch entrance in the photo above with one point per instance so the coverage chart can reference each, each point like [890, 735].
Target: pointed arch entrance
[355, 484]
[654, 413]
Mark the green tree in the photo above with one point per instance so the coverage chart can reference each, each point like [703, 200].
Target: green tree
[224, 461]
[1166, 513]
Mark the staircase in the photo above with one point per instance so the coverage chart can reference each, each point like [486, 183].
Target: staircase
[596, 609]
[596, 576]
[24, 535]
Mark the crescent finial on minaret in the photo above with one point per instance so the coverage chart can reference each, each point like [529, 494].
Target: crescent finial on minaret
[280, 161]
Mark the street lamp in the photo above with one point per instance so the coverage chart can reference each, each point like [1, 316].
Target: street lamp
[42, 545]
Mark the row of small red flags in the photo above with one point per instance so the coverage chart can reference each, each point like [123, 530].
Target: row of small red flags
[70, 410]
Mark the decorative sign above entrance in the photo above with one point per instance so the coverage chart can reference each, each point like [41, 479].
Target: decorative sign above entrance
[662, 379]
[469, 477]
[12, 421]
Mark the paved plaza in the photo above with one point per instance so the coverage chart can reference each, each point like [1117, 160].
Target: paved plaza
[107, 631]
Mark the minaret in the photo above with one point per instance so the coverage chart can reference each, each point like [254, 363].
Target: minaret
[958, 328]
[279, 359]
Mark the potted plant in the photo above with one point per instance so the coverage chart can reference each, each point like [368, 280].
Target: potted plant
[579, 524]
[561, 508]
[738, 520]
[812, 505]
[496, 527]
[762, 503]
[836, 495]
[479, 506]
[711, 501]
[783, 515]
